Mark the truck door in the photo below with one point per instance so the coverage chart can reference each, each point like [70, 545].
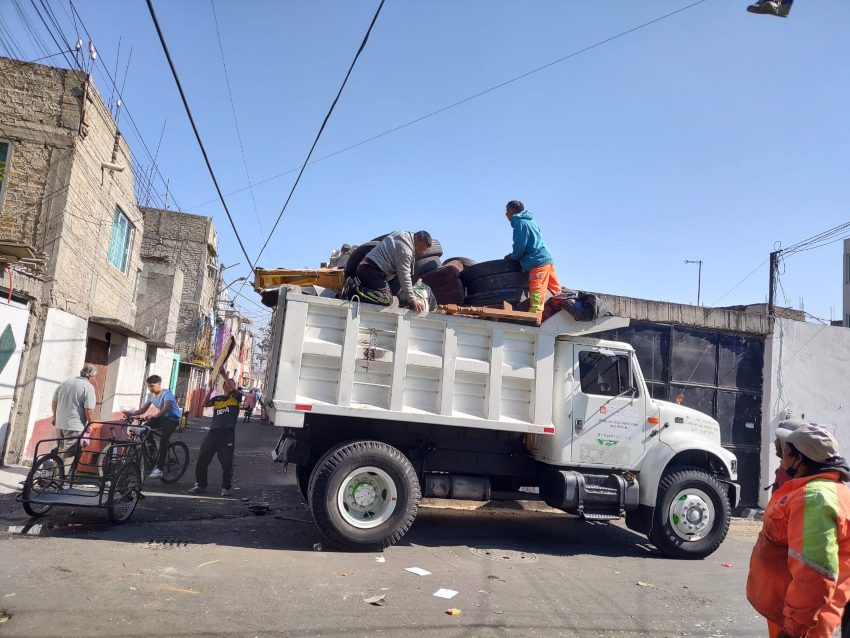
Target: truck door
[608, 407]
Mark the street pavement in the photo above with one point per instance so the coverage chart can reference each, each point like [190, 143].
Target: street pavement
[188, 565]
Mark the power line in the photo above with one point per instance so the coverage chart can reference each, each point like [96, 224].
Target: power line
[235, 119]
[473, 96]
[321, 129]
[129, 114]
[195, 129]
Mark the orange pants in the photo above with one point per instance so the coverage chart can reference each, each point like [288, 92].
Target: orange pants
[824, 629]
[540, 280]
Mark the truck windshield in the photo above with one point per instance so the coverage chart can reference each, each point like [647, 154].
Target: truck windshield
[607, 375]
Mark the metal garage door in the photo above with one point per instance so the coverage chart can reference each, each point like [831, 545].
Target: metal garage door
[717, 373]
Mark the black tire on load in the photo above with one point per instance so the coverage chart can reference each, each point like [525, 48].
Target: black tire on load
[466, 261]
[357, 256]
[45, 477]
[496, 282]
[691, 504]
[436, 249]
[487, 268]
[495, 297]
[425, 264]
[364, 495]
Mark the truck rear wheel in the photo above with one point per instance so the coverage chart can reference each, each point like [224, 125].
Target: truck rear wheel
[364, 495]
[692, 514]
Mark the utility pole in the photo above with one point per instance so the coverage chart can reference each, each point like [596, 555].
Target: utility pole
[771, 291]
[699, 276]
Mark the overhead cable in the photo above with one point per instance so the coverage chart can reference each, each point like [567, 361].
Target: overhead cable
[195, 129]
[471, 97]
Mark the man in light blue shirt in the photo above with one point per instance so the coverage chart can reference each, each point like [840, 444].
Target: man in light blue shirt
[167, 417]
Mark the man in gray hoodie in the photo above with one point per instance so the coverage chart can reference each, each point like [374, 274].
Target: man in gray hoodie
[394, 256]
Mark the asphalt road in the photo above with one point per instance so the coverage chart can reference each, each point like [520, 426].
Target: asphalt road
[207, 566]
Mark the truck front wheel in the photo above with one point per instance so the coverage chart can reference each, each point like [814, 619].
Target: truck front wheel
[692, 514]
[364, 495]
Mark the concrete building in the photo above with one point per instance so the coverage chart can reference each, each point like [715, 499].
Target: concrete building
[67, 198]
[180, 254]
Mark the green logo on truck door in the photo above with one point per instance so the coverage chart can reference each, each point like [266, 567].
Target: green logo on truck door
[606, 443]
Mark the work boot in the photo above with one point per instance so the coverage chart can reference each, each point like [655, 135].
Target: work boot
[770, 7]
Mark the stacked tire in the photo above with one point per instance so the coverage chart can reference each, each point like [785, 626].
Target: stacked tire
[490, 283]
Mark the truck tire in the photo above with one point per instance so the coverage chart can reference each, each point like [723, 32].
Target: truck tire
[466, 261]
[692, 514]
[357, 256]
[495, 297]
[495, 282]
[487, 268]
[364, 495]
[302, 479]
[425, 265]
[435, 250]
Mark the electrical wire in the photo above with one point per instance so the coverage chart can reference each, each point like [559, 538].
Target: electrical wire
[319, 134]
[235, 119]
[470, 97]
[195, 129]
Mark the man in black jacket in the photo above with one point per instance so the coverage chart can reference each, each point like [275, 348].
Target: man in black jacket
[221, 438]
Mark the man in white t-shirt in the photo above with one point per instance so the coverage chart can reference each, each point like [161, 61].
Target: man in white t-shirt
[73, 407]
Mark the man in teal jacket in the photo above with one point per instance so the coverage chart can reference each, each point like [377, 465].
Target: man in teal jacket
[531, 252]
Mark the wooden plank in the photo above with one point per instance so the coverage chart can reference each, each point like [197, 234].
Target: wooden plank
[485, 312]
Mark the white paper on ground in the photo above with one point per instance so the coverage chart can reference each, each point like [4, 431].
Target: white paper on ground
[445, 593]
[418, 571]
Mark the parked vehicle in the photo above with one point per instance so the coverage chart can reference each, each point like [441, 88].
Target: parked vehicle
[381, 406]
[102, 471]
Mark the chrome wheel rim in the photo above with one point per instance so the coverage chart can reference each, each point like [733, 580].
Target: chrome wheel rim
[692, 514]
[367, 497]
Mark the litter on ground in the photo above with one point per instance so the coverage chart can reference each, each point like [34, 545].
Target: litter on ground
[448, 594]
[378, 600]
[418, 571]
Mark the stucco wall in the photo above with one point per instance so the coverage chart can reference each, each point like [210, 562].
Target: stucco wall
[807, 373]
[62, 356]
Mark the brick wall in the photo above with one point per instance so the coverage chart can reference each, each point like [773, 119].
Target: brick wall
[40, 111]
[187, 242]
[58, 198]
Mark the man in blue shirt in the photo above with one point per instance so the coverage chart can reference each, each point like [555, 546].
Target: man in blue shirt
[167, 417]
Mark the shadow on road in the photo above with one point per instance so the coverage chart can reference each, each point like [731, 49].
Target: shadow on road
[170, 516]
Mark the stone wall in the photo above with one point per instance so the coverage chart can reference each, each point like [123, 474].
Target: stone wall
[189, 243]
[40, 111]
[158, 302]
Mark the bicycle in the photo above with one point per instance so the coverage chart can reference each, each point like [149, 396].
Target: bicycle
[176, 458]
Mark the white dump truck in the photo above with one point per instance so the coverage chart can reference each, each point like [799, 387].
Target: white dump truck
[380, 407]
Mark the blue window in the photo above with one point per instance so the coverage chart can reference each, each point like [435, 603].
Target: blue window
[121, 241]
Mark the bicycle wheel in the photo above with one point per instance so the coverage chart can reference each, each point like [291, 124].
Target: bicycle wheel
[124, 493]
[176, 462]
[45, 477]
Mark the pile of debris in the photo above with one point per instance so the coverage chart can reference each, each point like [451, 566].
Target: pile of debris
[496, 289]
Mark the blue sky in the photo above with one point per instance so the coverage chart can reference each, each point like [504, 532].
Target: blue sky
[710, 135]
